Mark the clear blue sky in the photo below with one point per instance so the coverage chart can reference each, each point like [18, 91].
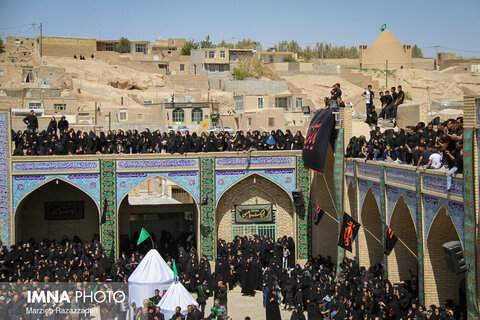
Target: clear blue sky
[452, 24]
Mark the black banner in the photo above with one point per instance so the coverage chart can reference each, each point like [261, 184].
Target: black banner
[316, 141]
[64, 210]
[317, 214]
[390, 240]
[348, 232]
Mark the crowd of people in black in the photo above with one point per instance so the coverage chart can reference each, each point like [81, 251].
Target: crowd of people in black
[389, 102]
[256, 263]
[437, 145]
[59, 139]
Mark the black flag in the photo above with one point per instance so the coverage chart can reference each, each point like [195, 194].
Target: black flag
[348, 233]
[316, 141]
[390, 240]
[317, 214]
[104, 211]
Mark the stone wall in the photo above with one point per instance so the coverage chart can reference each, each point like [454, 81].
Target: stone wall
[67, 47]
[258, 87]
[410, 114]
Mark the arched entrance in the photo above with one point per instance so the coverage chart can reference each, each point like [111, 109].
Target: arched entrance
[166, 210]
[370, 242]
[442, 283]
[57, 210]
[251, 191]
[401, 260]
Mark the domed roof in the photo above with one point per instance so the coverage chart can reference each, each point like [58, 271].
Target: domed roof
[386, 47]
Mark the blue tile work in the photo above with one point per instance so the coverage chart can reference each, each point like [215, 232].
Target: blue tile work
[188, 180]
[255, 162]
[431, 205]
[5, 178]
[24, 185]
[55, 166]
[367, 170]
[224, 179]
[439, 184]
[363, 186]
[394, 194]
[157, 164]
[349, 166]
[401, 176]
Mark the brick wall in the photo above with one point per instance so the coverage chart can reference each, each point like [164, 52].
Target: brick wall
[440, 283]
[262, 191]
[325, 234]
[371, 250]
[401, 259]
[30, 222]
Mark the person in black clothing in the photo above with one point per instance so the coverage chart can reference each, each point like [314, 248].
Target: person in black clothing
[31, 121]
[372, 118]
[298, 140]
[336, 92]
[387, 105]
[52, 126]
[411, 143]
[272, 308]
[156, 298]
[393, 90]
[63, 124]
[398, 101]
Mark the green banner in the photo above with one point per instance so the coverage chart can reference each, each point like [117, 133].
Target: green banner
[260, 213]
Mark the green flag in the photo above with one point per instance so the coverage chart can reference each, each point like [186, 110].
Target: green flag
[143, 236]
[383, 27]
[175, 272]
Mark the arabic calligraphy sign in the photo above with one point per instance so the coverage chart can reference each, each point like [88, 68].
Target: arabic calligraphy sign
[64, 210]
[259, 213]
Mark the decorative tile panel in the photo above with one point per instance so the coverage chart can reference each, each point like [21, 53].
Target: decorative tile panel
[5, 192]
[363, 186]
[55, 166]
[207, 210]
[157, 164]
[349, 166]
[439, 184]
[24, 185]
[303, 220]
[469, 243]
[419, 223]
[367, 170]
[108, 191]
[338, 174]
[224, 179]
[254, 162]
[393, 195]
[401, 176]
[431, 205]
[188, 180]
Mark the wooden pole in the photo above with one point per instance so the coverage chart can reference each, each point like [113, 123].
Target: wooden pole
[386, 75]
[41, 40]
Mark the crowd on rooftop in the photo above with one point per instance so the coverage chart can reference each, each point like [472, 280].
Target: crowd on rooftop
[437, 145]
[59, 139]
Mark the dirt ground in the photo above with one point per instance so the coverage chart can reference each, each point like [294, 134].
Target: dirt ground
[240, 306]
